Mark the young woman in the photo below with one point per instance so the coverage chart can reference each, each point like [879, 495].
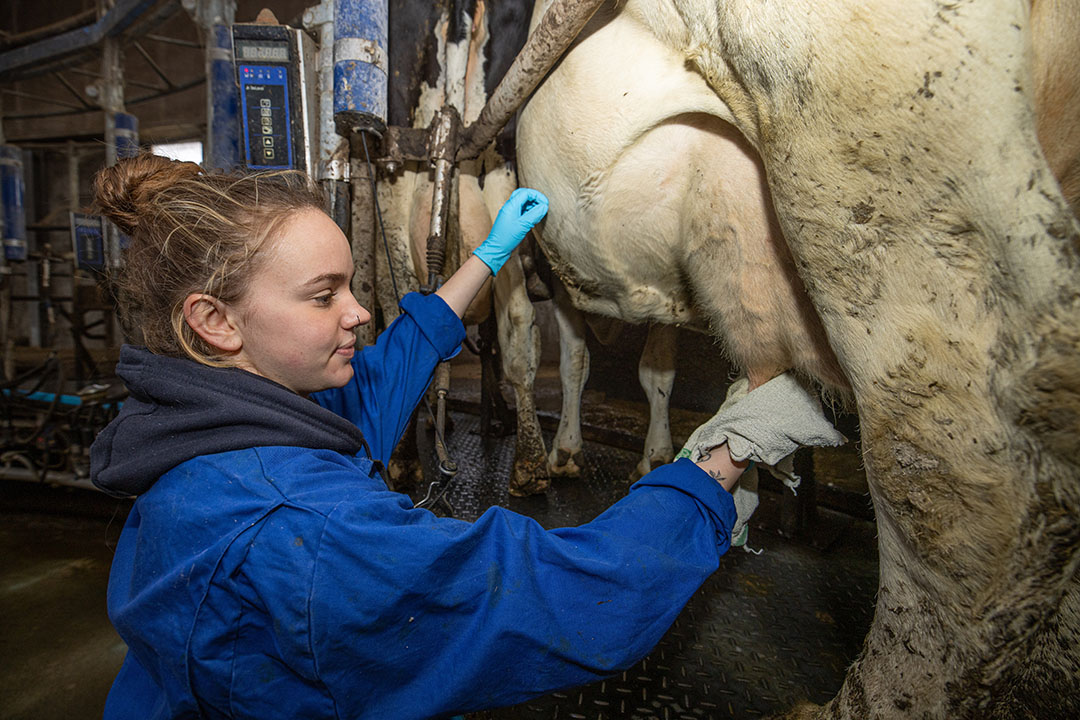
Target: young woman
[265, 570]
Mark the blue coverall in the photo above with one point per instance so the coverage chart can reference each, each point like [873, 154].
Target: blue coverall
[265, 571]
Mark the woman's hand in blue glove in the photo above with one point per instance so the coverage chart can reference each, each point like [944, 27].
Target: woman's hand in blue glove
[525, 208]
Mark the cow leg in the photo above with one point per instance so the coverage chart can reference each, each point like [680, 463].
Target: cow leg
[656, 372]
[1055, 47]
[566, 457]
[1054, 667]
[394, 271]
[519, 343]
[404, 471]
[519, 340]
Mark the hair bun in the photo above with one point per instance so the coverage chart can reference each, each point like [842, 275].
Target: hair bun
[125, 192]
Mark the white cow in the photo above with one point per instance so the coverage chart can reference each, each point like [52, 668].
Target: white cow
[482, 186]
[857, 190]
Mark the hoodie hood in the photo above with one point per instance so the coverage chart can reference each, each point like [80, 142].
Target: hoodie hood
[179, 409]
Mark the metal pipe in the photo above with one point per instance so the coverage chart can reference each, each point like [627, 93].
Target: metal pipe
[71, 89]
[73, 176]
[169, 84]
[13, 198]
[162, 93]
[42, 98]
[37, 57]
[362, 234]
[125, 129]
[173, 41]
[118, 124]
[97, 77]
[443, 142]
[45, 31]
[333, 160]
[7, 345]
[447, 466]
[562, 22]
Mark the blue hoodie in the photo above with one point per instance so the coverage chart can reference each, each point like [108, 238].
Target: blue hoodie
[266, 571]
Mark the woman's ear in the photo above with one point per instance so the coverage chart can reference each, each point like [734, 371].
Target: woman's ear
[209, 317]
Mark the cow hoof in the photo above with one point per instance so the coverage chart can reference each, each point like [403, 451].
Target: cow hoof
[562, 463]
[523, 484]
[645, 466]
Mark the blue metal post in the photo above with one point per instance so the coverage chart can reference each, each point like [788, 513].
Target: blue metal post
[13, 191]
[223, 105]
[122, 134]
[126, 134]
[360, 65]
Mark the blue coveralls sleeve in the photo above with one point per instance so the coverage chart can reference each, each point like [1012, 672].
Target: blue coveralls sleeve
[414, 616]
[390, 377]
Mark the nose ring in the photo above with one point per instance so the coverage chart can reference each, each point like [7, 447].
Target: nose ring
[358, 320]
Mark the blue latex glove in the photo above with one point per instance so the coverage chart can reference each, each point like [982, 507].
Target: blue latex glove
[525, 208]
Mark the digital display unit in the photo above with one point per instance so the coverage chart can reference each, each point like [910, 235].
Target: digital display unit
[271, 72]
[88, 242]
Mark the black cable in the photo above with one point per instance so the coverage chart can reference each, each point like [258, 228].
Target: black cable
[378, 214]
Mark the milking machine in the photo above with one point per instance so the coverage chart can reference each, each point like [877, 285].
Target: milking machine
[360, 87]
[275, 82]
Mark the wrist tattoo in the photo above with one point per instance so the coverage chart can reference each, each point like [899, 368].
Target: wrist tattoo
[717, 476]
[705, 456]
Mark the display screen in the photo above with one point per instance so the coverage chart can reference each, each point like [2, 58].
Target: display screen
[264, 51]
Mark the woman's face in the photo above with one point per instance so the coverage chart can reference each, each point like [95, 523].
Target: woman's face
[298, 316]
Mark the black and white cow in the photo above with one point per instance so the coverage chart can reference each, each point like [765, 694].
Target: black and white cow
[454, 52]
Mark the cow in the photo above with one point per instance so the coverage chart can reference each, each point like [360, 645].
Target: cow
[1056, 99]
[453, 53]
[857, 191]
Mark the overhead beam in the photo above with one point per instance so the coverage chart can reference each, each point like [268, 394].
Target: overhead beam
[44, 55]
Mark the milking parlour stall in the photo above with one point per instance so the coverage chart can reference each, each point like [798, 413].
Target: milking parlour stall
[875, 201]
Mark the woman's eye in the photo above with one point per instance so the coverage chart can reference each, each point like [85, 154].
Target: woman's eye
[325, 299]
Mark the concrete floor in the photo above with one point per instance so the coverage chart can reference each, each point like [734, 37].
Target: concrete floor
[58, 652]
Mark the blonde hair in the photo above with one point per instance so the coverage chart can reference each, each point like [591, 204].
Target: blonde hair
[191, 232]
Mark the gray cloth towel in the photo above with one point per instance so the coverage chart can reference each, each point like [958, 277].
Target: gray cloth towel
[765, 426]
